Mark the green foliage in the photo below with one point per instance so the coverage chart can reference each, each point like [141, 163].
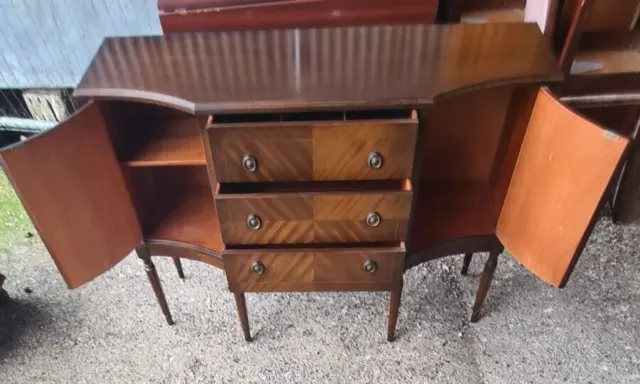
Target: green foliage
[15, 225]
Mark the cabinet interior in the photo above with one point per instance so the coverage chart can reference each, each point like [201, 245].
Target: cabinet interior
[151, 136]
[317, 186]
[162, 157]
[468, 150]
[337, 116]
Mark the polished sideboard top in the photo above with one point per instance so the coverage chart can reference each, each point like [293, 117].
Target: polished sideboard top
[292, 69]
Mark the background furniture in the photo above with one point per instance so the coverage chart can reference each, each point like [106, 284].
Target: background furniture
[601, 54]
[213, 15]
[191, 149]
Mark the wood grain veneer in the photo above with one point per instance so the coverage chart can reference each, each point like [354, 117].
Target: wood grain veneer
[296, 69]
[303, 270]
[556, 188]
[316, 150]
[314, 217]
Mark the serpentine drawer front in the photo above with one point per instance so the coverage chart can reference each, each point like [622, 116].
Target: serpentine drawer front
[374, 145]
[314, 217]
[301, 270]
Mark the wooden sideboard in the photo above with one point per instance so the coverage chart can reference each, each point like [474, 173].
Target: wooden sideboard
[328, 159]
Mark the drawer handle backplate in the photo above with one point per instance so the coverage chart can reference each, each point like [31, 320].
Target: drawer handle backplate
[250, 163]
[258, 267]
[374, 160]
[370, 266]
[373, 219]
[254, 222]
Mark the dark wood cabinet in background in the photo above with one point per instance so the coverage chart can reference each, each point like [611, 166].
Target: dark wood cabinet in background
[216, 15]
[319, 159]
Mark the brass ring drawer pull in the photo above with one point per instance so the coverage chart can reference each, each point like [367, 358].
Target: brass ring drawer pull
[250, 163]
[373, 219]
[370, 266]
[254, 222]
[374, 160]
[258, 267]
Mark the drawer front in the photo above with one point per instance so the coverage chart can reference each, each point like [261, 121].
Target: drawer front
[314, 270]
[314, 218]
[313, 151]
[343, 151]
[280, 153]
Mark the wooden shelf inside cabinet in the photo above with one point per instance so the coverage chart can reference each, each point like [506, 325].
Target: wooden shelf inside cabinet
[451, 210]
[168, 151]
[177, 143]
[192, 220]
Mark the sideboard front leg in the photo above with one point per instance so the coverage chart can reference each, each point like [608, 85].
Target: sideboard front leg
[152, 274]
[485, 283]
[394, 308]
[241, 305]
[178, 264]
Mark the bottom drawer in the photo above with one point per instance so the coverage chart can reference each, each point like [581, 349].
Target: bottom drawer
[304, 270]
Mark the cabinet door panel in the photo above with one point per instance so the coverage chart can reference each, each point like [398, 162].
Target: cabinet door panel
[563, 169]
[71, 184]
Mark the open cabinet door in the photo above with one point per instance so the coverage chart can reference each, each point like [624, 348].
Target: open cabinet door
[563, 169]
[72, 187]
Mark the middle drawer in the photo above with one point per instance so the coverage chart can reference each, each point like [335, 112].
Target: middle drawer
[304, 217]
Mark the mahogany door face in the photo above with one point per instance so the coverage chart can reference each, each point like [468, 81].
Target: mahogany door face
[71, 184]
[563, 169]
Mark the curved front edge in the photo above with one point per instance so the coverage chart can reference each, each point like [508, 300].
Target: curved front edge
[184, 251]
[484, 243]
[402, 65]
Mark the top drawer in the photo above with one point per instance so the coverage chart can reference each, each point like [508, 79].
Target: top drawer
[364, 145]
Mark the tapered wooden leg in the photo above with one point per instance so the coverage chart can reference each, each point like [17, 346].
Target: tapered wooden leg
[241, 305]
[466, 262]
[394, 308]
[178, 264]
[485, 283]
[152, 274]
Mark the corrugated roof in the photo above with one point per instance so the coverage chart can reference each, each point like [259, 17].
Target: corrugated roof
[49, 43]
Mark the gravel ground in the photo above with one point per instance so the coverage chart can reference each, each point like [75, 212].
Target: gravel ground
[112, 331]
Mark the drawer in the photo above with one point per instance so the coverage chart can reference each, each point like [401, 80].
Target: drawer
[302, 270]
[335, 146]
[303, 217]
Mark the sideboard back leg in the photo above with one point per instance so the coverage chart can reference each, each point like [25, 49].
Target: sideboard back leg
[152, 274]
[394, 308]
[178, 264]
[485, 283]
[241, 306]
[466, 262]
